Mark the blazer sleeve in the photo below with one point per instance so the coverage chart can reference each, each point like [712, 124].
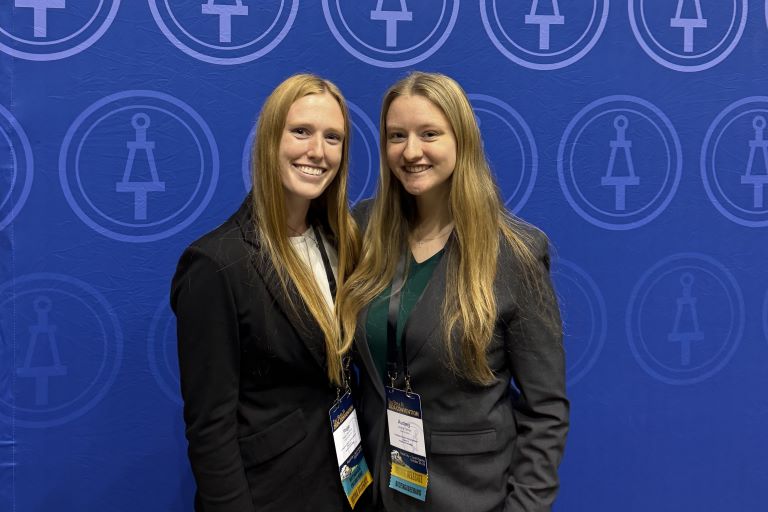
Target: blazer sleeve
[209, 364]
[533, 339]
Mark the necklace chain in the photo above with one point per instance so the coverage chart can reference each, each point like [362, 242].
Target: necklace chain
[305, 238]
[423, 241]
[296, 232]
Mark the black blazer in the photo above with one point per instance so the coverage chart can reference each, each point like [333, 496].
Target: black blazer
[489, 448]
[253, 379]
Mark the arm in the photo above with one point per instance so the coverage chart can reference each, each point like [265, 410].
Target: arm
[209, 363]
[534, 344]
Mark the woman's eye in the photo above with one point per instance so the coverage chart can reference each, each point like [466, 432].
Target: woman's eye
[430, 134]
[396, 137]
[334, 138]
[302, 132]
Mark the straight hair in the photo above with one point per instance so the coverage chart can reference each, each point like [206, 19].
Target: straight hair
[330, 210]
[481, 223]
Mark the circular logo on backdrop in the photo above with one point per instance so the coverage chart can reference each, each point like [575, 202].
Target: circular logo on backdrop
[688, 35]
[734, 162]
[584, 318]
[53, 29]
[18, 168]
[62, 345]
[765, 316]
[161, 351]
[544, 34]
[245, 166]
[224, 32]
[510, 147]
[363, 156]
[619, 162]
[391, 33]
[766, 12]
[138, 166]
[685, 318]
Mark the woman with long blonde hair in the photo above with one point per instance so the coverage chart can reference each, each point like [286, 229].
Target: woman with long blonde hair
[257, 335]
[451, 304]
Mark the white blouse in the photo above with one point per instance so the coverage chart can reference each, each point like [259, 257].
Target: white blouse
[306, 246]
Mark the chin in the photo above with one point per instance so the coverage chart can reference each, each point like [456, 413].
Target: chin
[304, 191]
[416, 190]
[310, 196]
[317, 191]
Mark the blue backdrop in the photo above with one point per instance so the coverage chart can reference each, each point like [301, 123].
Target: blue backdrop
[633, 132]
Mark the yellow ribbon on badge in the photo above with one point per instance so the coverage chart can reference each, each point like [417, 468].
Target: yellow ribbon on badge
[359, 488]
[410, 475]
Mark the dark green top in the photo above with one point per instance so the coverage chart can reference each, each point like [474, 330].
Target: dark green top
[419, 275]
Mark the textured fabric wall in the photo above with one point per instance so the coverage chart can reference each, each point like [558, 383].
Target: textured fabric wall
[633, 132]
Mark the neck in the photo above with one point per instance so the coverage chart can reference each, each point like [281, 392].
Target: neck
[296, 210]
[433, 211]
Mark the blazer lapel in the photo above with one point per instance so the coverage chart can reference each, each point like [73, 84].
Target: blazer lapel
[426, 318]
[426, 314]
[361, 344]
[304, 324]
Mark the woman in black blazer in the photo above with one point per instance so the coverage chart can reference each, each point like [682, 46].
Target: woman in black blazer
[258, 339]
[451, 300]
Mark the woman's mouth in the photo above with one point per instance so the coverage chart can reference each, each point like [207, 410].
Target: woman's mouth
[309, 170]
[416, 169]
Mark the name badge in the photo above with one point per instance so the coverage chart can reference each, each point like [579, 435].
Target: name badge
[353, 470]
[408, 473]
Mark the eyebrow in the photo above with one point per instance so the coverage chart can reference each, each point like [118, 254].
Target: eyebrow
[422, 127]
[298, 124]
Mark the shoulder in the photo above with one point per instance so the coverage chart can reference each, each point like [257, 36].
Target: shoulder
[531, 237]
[361, 212]
[224, 245]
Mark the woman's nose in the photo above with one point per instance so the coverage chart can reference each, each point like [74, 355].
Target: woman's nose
[412, 149]
[315, 149]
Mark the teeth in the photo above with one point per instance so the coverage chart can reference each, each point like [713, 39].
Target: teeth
[312, 171]
[416, 168]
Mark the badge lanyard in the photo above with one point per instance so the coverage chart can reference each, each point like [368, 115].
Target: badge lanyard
[408, 473]
[326, 261]
[353, 470]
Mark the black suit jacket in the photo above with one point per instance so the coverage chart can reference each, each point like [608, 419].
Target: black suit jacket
[489, 448]
[253, 379]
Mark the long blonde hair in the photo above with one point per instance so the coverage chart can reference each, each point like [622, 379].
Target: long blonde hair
[330, 209]
[469, 307]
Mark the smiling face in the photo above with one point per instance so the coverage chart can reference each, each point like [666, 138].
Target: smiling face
[421, 146]
[311, 146]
